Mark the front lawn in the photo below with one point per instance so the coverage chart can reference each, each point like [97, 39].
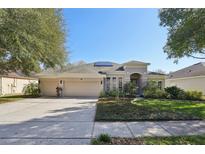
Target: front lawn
[173, 140]
[149, 109]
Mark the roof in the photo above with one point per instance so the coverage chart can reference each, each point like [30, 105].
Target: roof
[95, 68]
[70, 75]
[134, 62]
[16, 75]
[197, 69]
[155, 73]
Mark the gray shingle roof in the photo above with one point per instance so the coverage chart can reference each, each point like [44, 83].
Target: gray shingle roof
[197, 69]
[17, 74]
[91, 68]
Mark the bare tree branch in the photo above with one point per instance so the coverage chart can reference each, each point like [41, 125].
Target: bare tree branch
[195, 57]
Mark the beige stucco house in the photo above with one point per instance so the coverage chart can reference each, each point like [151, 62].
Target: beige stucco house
[90, 79]
[189, 78]
[13, 83]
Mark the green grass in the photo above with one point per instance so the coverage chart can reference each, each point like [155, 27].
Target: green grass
[173, 140]
[12, 98]
[149, 109]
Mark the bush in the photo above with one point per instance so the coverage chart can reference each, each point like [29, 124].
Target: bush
[194, 95]
[102, 139]
[152, 90]
[155, 94]
[32, 89]
[111, 93]
[178, 93]
[175, 92]
[130, 89]
[102, 94]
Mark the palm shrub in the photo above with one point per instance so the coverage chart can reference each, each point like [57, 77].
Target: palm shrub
[32, 89]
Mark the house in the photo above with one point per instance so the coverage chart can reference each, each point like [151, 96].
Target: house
[189, 78]
[14, 82]
[90, 79]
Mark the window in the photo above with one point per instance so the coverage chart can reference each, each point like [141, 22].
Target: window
[114, 83]
[160, 84]
[108, 83]
[120, 83]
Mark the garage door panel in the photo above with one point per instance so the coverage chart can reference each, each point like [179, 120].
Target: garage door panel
[48, 88]
[82, 88]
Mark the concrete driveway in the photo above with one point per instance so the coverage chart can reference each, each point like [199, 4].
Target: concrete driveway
[47, 121]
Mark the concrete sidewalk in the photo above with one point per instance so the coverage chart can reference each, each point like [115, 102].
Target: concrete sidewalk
[139, 129]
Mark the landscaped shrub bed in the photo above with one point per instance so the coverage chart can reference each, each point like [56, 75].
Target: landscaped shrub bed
[128, 91]
[153, 91]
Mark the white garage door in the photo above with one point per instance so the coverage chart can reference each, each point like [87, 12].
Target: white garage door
[82, 88]
[48, 87]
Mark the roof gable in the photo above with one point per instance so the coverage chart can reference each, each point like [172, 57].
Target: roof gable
[135, 63]
[197, 69]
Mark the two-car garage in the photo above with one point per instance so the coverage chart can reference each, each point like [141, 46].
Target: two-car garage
[73, 84]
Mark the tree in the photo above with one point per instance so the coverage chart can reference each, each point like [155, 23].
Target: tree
[78, 63]
[30, 39]
[160, 71]
[186, 32]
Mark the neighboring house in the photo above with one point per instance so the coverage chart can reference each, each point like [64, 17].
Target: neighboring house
[90, 79]
[13, 83]
[189, 78]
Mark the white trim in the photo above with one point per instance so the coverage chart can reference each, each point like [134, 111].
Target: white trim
[192, 77]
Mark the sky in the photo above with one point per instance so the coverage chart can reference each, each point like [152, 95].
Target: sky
[119, 35]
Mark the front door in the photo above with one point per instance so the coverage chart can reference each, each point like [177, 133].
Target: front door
[135, 78]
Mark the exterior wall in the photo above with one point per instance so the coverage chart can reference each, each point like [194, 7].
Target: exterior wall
[117, 76]
[142, 70]
[14, 85]
[189, 83]
[72, 86]
[157, 78]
